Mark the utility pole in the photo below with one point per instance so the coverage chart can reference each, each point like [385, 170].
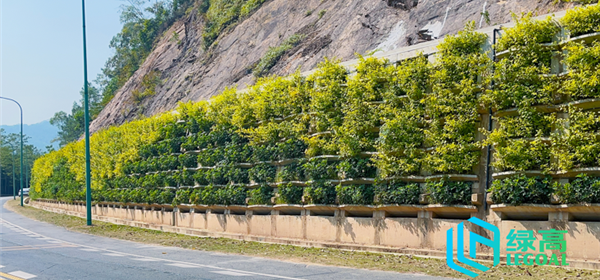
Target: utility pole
[88, 177]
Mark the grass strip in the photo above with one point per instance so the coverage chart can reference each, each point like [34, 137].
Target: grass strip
[311, 255]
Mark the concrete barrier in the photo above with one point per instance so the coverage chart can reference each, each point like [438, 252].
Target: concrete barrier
[328, 226]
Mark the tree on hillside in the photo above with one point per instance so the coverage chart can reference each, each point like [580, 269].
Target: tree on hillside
[71, 126]
[143, 22]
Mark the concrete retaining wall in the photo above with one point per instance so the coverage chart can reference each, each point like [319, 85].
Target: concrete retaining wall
[424, 235]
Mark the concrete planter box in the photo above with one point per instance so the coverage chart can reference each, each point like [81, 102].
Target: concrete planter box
[582, 212]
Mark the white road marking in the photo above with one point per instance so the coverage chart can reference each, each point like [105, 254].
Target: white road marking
[1, 266]
[182, 265]
[167, 260]
[148, 246]
[55, 242]
[143, 260]
[90, 250]
[22, 274]
[231, 273]
[113, 255]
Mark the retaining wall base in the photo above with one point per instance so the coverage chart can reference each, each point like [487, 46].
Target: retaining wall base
[441, 254]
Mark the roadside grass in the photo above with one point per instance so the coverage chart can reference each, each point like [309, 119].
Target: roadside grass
[308, 255]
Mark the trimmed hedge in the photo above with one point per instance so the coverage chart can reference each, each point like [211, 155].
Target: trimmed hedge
[397, 193]
[449, 192]
[584, 189]
[521, 189]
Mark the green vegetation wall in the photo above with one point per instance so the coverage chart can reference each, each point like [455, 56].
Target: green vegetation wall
[547, 95]
[383, 135]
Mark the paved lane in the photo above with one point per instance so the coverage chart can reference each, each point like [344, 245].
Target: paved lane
[36, 250]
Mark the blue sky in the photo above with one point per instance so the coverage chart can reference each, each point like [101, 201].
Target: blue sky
[42, 57]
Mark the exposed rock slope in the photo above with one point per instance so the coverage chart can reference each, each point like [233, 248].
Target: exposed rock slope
[335, 29]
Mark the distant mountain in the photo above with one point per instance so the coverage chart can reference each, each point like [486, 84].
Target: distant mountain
[41, 134]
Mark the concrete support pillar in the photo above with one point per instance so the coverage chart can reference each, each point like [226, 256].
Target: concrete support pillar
[149, 215]
[175, 219]
[206, 218]
[556, 65]
[134, 212]
[424, 225]
[305, 213]
[192, 217]
[274, 215]
[249, 214]
[559, 220]
[208, 213]
[340, 216]
[378, 223]
[478, 230]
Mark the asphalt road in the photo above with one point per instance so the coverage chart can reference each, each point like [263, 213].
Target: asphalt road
[37, 250]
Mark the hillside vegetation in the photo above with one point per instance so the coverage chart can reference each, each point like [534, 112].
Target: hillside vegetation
[144, 23]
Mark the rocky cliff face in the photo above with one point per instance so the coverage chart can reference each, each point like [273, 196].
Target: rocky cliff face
[180, 70]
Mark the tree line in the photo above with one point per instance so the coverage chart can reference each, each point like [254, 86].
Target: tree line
[10, 162]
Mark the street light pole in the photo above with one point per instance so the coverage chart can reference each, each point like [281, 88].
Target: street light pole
[21, 172]
[88, 177]
[12, 154]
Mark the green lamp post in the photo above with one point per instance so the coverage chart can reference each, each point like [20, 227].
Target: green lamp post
[88, 177]
[21, 170]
